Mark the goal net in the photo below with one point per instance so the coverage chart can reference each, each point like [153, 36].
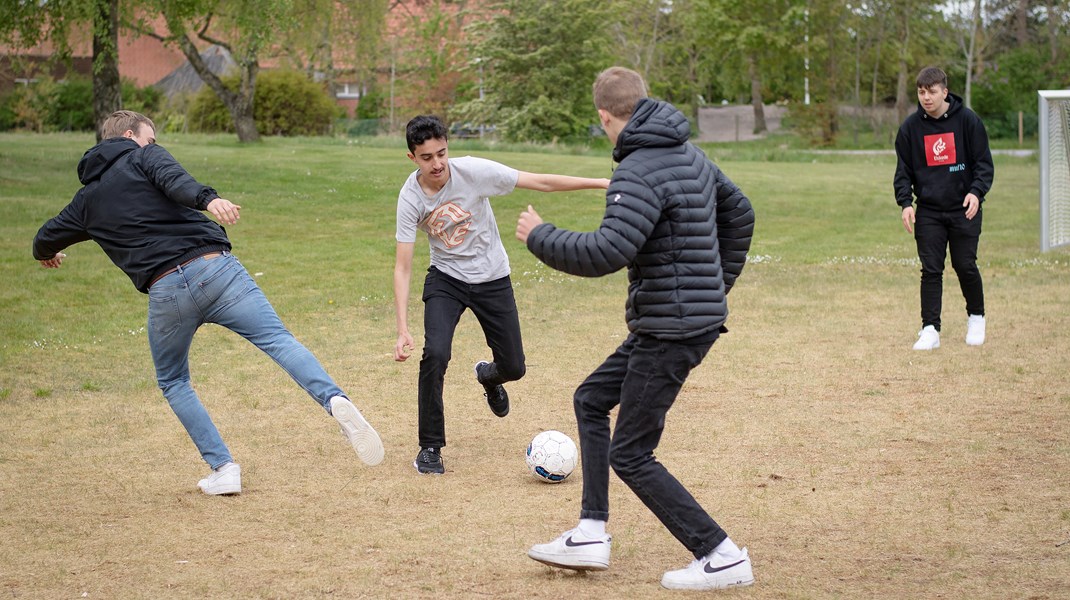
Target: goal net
[1054, 168]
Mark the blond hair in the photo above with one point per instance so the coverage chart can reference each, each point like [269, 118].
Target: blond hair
[121, 121]
[617, 90]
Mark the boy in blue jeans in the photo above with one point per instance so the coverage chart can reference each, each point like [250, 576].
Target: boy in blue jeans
[144, 210]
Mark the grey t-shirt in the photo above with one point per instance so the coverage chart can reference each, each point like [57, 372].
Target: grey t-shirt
[458, 220]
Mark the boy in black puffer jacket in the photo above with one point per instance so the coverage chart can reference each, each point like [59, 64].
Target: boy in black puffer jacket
[682, 229]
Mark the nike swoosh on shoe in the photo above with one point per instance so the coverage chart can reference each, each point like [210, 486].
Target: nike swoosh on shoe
[573, 544]
[706, 567]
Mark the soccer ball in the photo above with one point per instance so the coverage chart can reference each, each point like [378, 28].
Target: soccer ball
[552, 456]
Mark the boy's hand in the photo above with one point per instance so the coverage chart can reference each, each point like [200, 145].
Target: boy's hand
[972, 204]
[529, 219]
[225, 211]
[908, 219]
[403, 347]
[54, 262]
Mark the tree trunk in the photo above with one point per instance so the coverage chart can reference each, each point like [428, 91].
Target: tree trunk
[239, 104]
[241, 108]
[1053, 31]
[971, 54]
[1021, 22]
[902, 101]
[756, 95]
[107, 88]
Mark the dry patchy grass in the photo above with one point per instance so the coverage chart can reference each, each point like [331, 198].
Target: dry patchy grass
[850, 465]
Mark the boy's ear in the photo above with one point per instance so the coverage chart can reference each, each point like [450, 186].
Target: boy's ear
[604, 116]
[411, 156]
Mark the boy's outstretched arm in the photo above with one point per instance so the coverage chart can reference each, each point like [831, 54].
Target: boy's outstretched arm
[549, 182]
[402, 273]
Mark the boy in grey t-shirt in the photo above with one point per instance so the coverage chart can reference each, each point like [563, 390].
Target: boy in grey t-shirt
[449, 200]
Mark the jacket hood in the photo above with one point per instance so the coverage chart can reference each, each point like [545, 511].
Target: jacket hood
[101, 157]
[954, 105]
[654, 124]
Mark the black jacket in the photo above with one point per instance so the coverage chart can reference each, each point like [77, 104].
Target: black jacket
[140, 206]
[673, 218]
[941, 160]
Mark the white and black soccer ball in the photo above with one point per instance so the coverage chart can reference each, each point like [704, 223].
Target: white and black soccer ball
[552, 456]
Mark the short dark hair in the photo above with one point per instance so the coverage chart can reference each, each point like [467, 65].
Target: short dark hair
[423, 128]
[930, 76]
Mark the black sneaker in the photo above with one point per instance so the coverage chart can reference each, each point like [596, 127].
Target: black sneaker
[497, 398]
[429, 460]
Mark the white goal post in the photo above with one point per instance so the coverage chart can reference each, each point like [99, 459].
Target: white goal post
[1054, 129]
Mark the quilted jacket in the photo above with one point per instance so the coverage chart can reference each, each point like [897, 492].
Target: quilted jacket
[679, 225]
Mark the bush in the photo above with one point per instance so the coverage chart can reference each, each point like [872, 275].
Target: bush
[71, 106]
[285, 103]
[147, 100]
[7, 110]
[47, 105]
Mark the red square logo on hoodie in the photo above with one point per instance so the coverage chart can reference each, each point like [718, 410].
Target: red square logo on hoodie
[940, 149]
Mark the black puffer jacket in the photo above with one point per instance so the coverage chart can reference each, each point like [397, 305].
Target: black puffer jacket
[141, 206]
[673, 218]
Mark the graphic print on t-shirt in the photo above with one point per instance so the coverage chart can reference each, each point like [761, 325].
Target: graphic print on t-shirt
[940, 149]
[448, 223]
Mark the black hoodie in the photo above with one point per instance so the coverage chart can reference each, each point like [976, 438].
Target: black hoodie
[679, 225]
[941, 160]
[140, 206]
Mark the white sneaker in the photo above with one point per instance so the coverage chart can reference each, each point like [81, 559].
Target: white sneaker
[975, 330]
[928, 338]
[711, 574]
[573, 550]
[358, 431]
[222, 481]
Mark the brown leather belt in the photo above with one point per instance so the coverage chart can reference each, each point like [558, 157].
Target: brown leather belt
[173, 269]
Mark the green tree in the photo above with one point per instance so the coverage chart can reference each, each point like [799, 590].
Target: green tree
[334, 37]
[287, 103]
[245, 28]
[430, 67]
[539, 59]
[25, 24]
[752, 37]
[663, 41]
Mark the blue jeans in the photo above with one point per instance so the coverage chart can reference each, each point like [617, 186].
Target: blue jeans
[643, 376]
[219, 290]
[935, 232]
[445, 300]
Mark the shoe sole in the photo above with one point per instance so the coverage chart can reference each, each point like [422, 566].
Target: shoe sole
[223, 491]
[578, 565]
[442, 472]
[706, 586]
[361, 435]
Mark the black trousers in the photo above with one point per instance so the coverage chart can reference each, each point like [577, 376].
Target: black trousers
[643, 377]
[445, 300]
[935, 231]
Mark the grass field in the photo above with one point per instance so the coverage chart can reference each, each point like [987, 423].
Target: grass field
[850, 465]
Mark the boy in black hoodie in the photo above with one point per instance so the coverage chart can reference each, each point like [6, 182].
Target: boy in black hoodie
[944, 161]
[144, 210]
